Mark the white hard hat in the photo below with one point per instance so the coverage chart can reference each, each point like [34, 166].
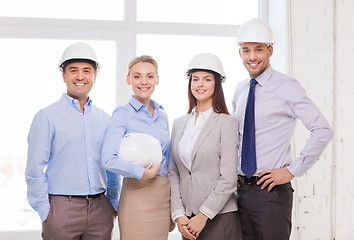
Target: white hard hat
[255, 30]
[206, 61]
[141, 149]
[79, 51]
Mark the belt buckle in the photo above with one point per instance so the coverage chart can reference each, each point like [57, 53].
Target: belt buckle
[245, 180]
[242, 179]
[88, 197]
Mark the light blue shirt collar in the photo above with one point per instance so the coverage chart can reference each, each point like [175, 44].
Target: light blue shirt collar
[138, 105]
[72, 102]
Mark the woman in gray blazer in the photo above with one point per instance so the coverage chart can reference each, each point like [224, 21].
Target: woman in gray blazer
[203, 158]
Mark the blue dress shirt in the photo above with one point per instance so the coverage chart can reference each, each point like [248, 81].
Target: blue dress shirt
[64, 147]
[279, 102]
[134, 117]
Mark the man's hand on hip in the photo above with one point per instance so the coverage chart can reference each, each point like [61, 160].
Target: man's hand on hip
[274, 177]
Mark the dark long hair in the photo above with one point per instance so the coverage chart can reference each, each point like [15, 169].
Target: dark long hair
[219, 104]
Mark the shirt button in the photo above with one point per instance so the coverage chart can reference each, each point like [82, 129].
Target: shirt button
[89, 159]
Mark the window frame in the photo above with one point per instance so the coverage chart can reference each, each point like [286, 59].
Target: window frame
[124, 33]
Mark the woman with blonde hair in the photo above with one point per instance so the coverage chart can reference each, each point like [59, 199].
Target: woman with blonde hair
[203, 158]
[143, 211]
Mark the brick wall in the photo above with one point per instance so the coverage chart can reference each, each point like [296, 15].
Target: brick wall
[322, 34]
[345, 139]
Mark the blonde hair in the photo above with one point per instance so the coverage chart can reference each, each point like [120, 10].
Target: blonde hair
[143, 58]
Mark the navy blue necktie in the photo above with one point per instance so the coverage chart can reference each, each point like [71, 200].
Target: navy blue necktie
[248, 155]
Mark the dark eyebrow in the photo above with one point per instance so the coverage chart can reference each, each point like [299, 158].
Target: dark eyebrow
[86, 68]
[259, 46]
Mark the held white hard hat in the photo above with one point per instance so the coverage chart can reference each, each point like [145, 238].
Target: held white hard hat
[255, 30]
[141, 149]
[208, 62]
[79, 51]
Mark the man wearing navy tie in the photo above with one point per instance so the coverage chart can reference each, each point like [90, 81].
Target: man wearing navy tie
[267, 106]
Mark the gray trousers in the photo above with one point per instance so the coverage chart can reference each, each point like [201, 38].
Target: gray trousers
[265, 215]
[224, 226]
[78, 218]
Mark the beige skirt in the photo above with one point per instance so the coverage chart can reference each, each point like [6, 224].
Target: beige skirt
[144, 209]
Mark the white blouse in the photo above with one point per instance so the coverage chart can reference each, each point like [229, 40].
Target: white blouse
[191, 133]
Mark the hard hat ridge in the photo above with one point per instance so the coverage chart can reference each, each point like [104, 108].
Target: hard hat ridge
[255, 30]
[206, 62]
[79, 52]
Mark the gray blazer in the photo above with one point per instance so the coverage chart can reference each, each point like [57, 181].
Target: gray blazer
[209, 184]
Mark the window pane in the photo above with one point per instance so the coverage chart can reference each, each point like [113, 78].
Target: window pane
[31, 80]
[197, 11]
[171, 92]
[69, 9]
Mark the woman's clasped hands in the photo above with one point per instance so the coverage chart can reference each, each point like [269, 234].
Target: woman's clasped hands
[191, 228]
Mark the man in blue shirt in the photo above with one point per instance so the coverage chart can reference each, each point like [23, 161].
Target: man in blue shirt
[73, 195]
[265, 129]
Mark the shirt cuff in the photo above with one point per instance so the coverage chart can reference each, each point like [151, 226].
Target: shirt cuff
[205, 214]
[139, 172]
[177, 213]
[177, 216]
[43, 212]
[297, 169]
[114, 203]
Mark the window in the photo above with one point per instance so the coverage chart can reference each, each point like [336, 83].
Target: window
[65, 9]
[229, 12]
